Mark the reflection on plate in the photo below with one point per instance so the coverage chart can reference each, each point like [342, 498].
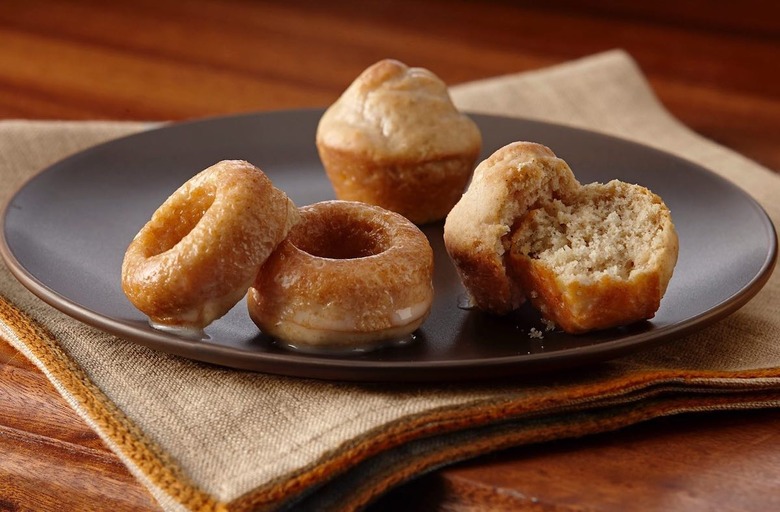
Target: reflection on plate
[65, 233]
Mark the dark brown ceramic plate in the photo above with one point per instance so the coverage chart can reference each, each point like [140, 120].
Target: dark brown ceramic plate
[65, 233]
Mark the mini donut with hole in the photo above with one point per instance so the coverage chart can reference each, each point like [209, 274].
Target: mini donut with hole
[349, 276]
[201, 250]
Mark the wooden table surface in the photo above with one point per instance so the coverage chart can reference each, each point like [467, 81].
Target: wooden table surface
[714, 64]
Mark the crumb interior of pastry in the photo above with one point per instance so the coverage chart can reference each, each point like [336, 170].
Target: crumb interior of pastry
[609, 231]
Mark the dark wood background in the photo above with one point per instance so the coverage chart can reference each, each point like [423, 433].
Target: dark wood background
[713, 64]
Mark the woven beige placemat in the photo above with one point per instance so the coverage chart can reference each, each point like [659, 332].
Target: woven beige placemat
[202, 437]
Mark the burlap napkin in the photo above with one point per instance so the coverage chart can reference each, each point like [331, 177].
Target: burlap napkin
[204, 437]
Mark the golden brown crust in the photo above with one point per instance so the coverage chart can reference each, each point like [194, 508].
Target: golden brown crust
[394, 139]
[422, 192]
[201, 249]
[505, 185]
[577, 307]
[350, 274]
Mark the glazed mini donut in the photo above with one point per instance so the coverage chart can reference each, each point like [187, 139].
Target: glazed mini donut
[349, 276]
[197, 256]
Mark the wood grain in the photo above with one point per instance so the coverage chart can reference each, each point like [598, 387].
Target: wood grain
[43, 473]
[713, 64]
[665, 464]
[51, 459]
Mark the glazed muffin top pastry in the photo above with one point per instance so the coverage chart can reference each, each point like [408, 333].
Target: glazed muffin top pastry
[399, 112]
[478, 229]
[587, 256]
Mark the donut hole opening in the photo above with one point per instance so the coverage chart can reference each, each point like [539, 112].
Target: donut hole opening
[178, 220]
[340, 237]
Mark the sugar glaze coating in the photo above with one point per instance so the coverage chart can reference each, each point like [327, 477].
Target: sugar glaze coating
[348, 275]
[199, 253]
